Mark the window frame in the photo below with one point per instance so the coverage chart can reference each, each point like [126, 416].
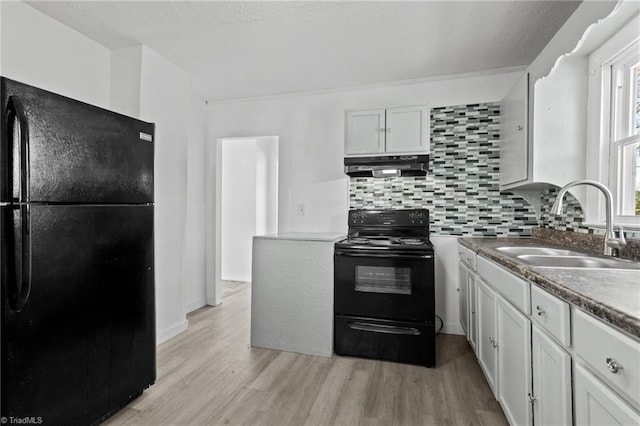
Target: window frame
[605, 127]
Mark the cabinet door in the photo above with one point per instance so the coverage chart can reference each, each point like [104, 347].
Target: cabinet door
[407, 130]
[514, 147]
[596, 404]
[473, 322]
[551, 381]
[463, 298]
[514, 363]
[487, 354]
[365, 132]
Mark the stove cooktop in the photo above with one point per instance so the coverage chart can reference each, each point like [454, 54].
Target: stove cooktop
[385, 242]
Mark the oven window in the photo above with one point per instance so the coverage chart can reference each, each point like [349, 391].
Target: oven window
[383, 279]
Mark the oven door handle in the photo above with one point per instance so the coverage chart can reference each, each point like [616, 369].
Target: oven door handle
[388, 329]
[385, 255]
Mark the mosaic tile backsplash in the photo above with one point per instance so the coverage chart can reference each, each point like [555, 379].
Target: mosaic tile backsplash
[462, 190]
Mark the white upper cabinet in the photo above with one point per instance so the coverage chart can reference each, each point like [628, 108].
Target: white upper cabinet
[403, 130]
[365, 132]
[406, 130]
[544, 116]
[514, 146]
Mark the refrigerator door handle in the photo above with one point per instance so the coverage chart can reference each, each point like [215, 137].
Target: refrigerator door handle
[16, 110]
[24, 278]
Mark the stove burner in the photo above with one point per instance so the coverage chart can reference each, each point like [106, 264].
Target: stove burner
[358, 240]
[412, 241]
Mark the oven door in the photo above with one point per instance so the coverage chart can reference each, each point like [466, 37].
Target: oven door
[384, 284]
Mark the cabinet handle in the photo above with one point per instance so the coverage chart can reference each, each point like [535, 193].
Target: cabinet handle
[531, 398]
[519, 128]
[613, 365]
[540, 310]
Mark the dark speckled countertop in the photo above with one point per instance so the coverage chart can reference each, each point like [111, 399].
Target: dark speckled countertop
[611, 295]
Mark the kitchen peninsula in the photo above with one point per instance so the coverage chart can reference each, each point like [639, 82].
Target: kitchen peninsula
[292, 292]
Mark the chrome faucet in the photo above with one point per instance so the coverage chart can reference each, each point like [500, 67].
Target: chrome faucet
[611, 243]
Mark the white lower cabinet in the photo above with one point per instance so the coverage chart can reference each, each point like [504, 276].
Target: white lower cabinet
[486, 347]
[463, 297]
[596, 404]
[527, 355]
[472, 333]
[514, 363]
[551, 381]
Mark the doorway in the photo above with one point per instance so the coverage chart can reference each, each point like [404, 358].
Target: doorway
[246, 204]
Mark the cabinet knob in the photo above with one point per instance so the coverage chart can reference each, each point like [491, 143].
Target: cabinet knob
[613, 365]
[540, 310]
[519, 128]
[531, 398]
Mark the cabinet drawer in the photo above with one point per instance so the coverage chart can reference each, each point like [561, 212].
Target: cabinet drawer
[552, 314]
[602, 348]
[462, 252]
[471, 258]
[514, 289]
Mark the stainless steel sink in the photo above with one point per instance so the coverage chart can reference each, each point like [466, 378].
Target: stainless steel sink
[558, 261]
[517, 251]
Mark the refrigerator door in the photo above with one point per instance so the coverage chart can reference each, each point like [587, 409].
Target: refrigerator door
[74, 153]
[83, 342]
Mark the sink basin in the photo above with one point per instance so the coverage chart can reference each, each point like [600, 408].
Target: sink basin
[517, 251]
[558, 261]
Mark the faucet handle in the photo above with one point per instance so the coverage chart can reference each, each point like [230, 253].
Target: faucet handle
[621, 240]
[617, 243]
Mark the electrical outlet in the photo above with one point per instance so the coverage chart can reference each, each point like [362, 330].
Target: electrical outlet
[300, 209]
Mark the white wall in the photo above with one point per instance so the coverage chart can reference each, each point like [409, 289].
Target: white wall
[138, 82]
[148, 86]
[446, 275]
[164, 99]
[311, 135]
[238, 207]
[42, 52]
[267, 185]
[194, 261]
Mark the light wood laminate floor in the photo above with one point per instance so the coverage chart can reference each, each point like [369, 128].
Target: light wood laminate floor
[210, 376]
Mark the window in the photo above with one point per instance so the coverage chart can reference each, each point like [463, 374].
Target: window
[625, 130]
[615, 95]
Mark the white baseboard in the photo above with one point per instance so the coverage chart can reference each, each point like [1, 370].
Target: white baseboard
[166, 334]
[195, 304]
[451, 328]
[232, 277]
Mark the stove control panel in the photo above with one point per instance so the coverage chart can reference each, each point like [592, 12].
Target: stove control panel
[396, 218]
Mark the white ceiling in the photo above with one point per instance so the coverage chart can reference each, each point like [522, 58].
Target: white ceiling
[238, 49]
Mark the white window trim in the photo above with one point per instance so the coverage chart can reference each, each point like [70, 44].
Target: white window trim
[600, 161]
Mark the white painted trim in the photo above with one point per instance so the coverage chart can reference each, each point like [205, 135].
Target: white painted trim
[451, 328]
[171, 332]
[383, 84]
[212, 227]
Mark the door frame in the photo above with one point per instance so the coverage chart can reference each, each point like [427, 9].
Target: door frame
[213, 209]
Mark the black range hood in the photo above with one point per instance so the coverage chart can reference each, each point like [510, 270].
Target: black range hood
[387, 166]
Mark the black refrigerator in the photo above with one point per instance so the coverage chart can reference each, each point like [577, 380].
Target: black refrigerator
[78, 321]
